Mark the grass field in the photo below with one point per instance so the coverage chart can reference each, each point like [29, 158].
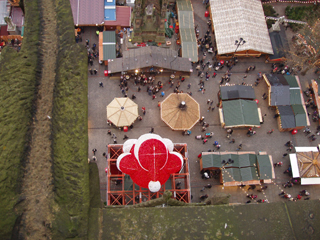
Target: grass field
[18, 79]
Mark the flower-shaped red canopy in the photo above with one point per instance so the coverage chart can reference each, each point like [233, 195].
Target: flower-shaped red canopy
[149, 161]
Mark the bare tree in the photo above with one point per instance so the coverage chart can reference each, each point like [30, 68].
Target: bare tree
[305, 53]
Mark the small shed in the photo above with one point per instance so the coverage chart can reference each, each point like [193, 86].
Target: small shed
[240, 113]
[107, 45]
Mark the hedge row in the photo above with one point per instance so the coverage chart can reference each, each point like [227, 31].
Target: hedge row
[18, 79]
[70, 132]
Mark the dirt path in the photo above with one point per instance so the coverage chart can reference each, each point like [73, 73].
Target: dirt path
[37, 182]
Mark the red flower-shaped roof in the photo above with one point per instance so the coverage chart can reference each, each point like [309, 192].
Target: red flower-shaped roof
[149, 161]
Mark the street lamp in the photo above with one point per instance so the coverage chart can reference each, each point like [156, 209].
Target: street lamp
[238, 43]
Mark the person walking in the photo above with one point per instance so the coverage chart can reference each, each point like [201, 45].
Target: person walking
[94, 151]
[162, 94]
[95, 71]
[189, 86]
[91, 72]
[100, 84]
[270, 132]
[232, 140]
[125, 137]
[152, 130]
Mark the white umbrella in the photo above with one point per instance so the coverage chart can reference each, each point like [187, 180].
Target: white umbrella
[122, 112]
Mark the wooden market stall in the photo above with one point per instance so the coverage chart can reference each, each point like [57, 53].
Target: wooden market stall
[239, 168]
[315, 85]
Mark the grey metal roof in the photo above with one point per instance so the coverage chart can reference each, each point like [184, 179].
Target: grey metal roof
[279, 44]
[280, 95]
[237, 92]
[233, 19]
[287, 116]
[109, 45]
[280, 90]
[147, 57]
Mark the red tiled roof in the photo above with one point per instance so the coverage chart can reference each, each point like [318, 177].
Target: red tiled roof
[123, 16]
[87, 12]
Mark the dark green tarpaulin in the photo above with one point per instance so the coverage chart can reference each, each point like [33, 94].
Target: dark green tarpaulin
[240, 113]
[264, 165]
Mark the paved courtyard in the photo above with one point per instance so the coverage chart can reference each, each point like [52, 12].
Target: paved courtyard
[100, 97]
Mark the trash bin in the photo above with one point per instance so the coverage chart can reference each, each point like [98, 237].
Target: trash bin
[106, 73]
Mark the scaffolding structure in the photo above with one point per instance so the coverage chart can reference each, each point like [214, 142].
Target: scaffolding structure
[121, 190]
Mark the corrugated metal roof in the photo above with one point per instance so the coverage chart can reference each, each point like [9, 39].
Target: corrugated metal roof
[123, 17]
[190, 51]
[265, 168]
[109, 45]
[287, 116]
[292, 81]
[233, 19]
[189, 47]
[233, 172]
[184, 5]
[240, 113]
[299, 115]
[248, 174]
[186, 20]
[149, 56]
[277, 80]
[295, 97]
[279, 44]
[87, 12]
[280, 95]
[237, 92]
[280, 90]
[211, 161]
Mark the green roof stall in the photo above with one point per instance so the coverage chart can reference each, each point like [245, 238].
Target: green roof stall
[107, 47]
[240, 113]
[239, 167]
